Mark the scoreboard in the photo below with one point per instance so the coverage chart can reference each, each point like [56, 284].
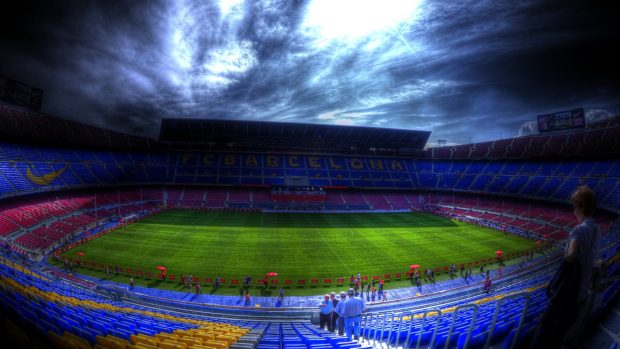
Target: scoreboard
[16, 92]
[564, 120]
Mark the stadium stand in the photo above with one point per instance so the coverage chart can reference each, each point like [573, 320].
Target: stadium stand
[552, 180]
[59, 184]
[597, 139]
[22, 124]
[38, 224]
[506, 320]
[85, 317]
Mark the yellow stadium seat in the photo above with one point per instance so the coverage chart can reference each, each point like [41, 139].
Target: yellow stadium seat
[214, 333]
[204, 336]
[81, 342]
[166, 336]
[142, 339]
[190, 341]
[141, 346]
[112, 342]
[217, 344]
[226, 338]
[167, 344]
[61, 342]
[180, 333]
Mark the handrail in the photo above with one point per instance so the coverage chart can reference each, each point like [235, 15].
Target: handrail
[400, 326]
[471, 324]
[391, 329]
[438, 311]
[497, 308]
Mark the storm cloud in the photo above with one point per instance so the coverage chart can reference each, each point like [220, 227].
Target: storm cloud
[467, 70]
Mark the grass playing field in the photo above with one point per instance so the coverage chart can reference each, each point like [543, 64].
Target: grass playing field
[296, 246]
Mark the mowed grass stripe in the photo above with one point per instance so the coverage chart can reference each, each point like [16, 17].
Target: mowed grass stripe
[297, 246]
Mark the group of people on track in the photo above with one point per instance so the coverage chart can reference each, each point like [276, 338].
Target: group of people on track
[342, 314]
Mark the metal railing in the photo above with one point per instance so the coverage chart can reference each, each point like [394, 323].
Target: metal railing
[385, 329]
[526, 295]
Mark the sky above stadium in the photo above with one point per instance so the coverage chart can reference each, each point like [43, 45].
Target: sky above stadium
[465, 70]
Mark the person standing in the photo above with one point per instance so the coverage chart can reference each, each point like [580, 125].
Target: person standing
[569, 305]
[340, 312]
[247, 297]
[217, 282]
[353, 309]
[131, 283]
[334, 316]
[281, 297]
[197, 288]
[487, 283]
[325, 312]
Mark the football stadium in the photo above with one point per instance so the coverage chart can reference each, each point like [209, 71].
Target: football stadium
[321, 175]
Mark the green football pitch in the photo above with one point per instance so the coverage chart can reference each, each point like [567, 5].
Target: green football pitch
[295, 245]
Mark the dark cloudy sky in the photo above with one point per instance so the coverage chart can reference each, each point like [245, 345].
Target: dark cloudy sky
[466, 70]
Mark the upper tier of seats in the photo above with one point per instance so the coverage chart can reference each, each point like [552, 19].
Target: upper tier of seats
[602, 138]
[26, 169]
[23, 124]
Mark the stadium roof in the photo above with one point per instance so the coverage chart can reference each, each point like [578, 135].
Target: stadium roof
[248, 135]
